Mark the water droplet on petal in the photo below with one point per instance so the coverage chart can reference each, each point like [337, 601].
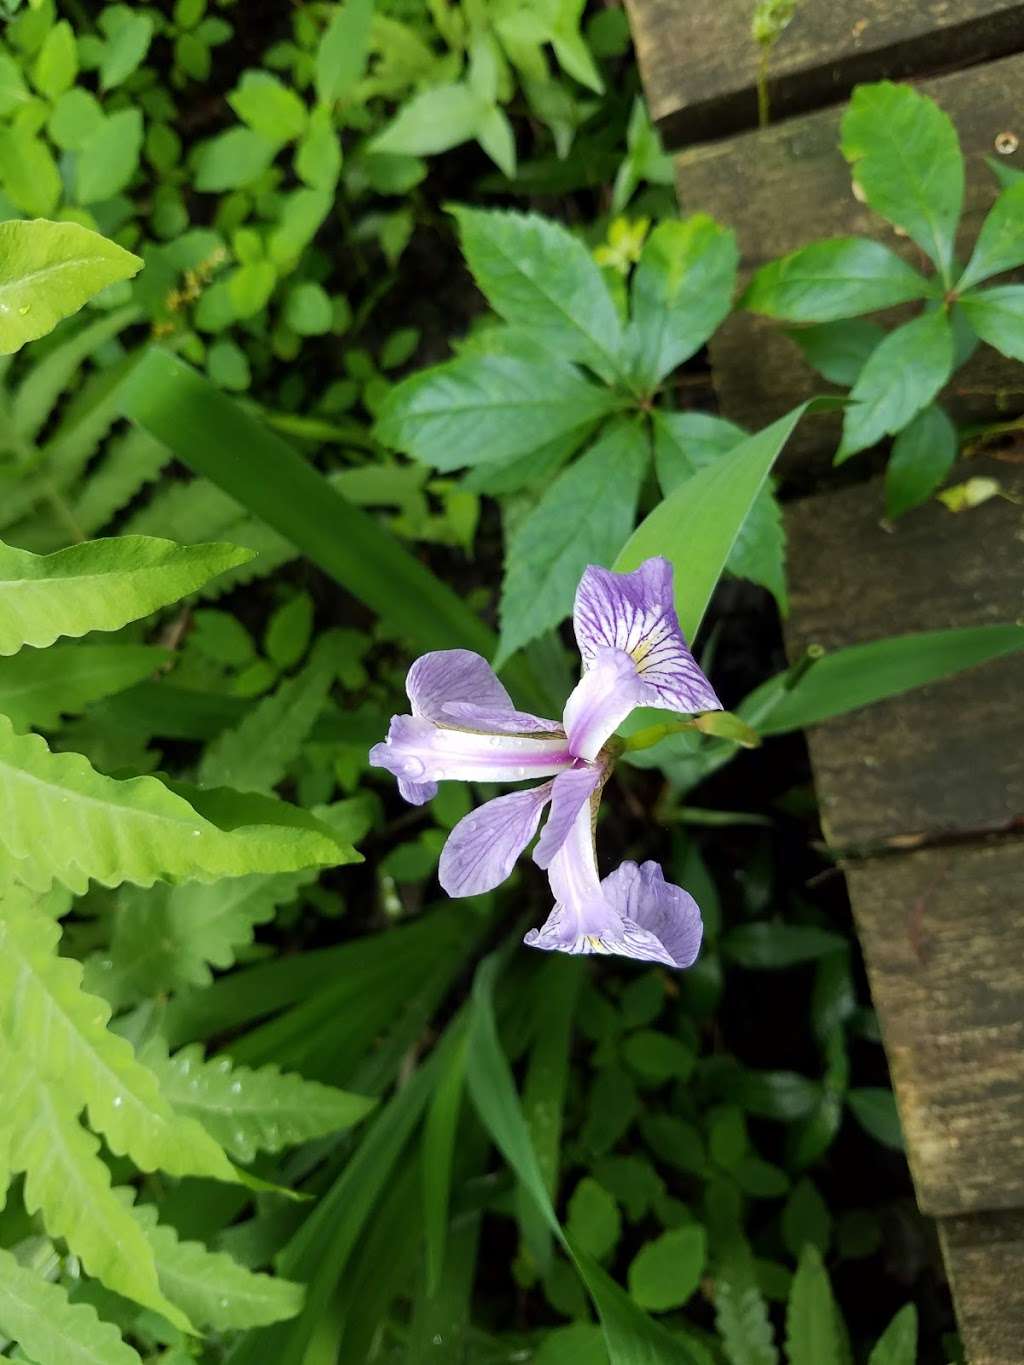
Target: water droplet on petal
[494, 741]
[414, 769]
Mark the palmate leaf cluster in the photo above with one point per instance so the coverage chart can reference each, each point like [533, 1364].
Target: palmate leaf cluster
[907, 166]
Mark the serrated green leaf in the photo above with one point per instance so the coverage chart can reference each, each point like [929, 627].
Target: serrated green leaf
[922, 455]
[433, 121]
[997, 315]
[48, 1326]
[62, 820]
[905, 156]
[685, 442]
[37, 688]
[839, 278]
[898, 1343]
[67, 1183]
[50, 1019]
[535, 273]
[48, 271]
[838, 350]
[211, 1288]
[682, 289]
[901, 377]
[482, 408]
[99, 586]
[582, 519]
[666, 1272]
[1000, 244]
[815, 1334]
[249, 1111]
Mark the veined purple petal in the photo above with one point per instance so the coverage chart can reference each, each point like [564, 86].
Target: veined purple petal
[635, 612]
[570, 792]
[419, 752]
[483, 847]
[627, 939]
[453, 675]
[497, 722]
[602, 699]
[582, 910]
[660, 910]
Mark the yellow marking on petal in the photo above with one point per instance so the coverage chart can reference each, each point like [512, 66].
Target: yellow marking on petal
[640, 652]
[595, 943]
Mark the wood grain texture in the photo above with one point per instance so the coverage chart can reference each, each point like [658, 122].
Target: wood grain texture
[984, 1254]
[788, 185]
[699, 62]
[943, 938]
[947, 759]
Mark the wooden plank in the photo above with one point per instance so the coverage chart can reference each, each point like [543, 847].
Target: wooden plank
[947, 759]
[943, 938]
[984, 1255]
[699, 61]
[788, 185]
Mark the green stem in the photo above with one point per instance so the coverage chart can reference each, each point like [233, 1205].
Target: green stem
[764, 112]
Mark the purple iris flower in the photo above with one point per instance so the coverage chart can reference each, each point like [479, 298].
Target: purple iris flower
[464, 727]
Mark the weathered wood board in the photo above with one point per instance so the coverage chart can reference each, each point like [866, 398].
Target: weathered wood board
[699, 62]
[985, 1257]
[788, 185]
[943, 938]
[947, 759]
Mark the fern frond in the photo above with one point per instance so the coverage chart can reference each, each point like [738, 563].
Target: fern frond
[167, 938]
[198, 511]
[69, 1186]
[100, 585]
[49, 1021]
[255, 755]
[741, 1314]
[62, 820]
[251, 1111]
[41, 1318]
[210, 1287]
[132, 460]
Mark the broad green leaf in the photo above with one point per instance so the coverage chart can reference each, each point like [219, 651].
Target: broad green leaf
[902, 376]
[997, 315]
[806, 1220]
[535, 273]
[29, 174]
[478, 409]
[214, 1291]
[905, 156]
[48, 271]
[125, 49]
[343, 49]
[898, 1343]
[779, 945]
[826, 281]
[862, 674]
[682, 289]
[777, 1094]
[685, 442]
[838, 350]
[37, 688]
[41, 1318]
[1000, 244]
[109, 157]
[69, 1186]
[99, 586]
[62, 1029]
[433, 121]
[249, 1111]
[815, 1334]
[582, 519]
[593, 1221]
[697, 526]
[922, 455]
[631, 1337]
[875, 1110]
[580, 1344]
[666, 1272]
[270, 108]
[63, 821]
[56, 65]
[233, 160]
[208, 430]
